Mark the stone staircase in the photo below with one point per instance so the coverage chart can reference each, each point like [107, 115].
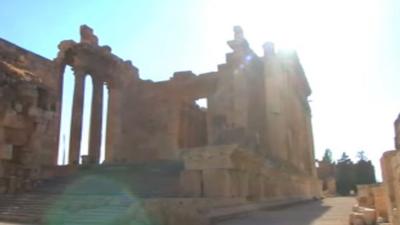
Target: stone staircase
[97, 195]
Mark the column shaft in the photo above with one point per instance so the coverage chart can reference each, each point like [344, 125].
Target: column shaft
[114, 125]
[76, 118]
[96, 122]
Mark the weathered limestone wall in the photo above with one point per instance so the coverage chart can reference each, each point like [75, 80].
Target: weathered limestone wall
[236, 110]
[29, 115]
[43, 68]
[288, 117]
[229, 171]
[390, 164]
[380, 201]
[161, 120]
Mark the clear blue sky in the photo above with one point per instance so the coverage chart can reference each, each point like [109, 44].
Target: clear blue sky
[349, 49]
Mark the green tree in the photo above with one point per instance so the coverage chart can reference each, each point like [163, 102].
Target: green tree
[361, 156]
[364, 170]
[327, 156]
[349, 174]
[344, 158]
[345, 176]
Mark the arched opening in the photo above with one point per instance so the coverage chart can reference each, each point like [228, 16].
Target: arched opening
[66, 108]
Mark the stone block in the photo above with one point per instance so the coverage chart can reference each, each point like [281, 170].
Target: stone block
[13, 185]
[18, 137]
[270, 188]
[6, 152]
[218, 157]
[256, 187]
[243, 184]
[2, 135]
[2, 170]
[28, 91]
[221, 157]
[13, 120]
[3, 186]
[220, 183]
[34, 111]
[380, 202]
[191, 183]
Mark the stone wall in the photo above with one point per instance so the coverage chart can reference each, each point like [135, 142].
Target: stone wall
[43, 68]
[29, 114]
[230, 171]
[289, 134]
[162, 119]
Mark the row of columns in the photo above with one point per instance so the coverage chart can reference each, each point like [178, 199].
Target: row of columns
[77, 119]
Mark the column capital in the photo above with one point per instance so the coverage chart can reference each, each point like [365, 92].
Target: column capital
[79, 72]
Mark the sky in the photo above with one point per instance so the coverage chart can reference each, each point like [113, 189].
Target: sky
[348, 48]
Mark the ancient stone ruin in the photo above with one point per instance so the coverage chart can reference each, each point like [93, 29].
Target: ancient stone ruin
[251, 147]
[390, 164]
[378, 203]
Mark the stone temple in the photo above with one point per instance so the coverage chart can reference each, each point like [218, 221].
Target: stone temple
[167, 160]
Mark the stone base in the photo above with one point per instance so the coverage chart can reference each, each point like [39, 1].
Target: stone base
[228, 171]
[204, 211]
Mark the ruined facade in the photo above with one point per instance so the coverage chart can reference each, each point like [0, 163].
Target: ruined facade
[257, 102]
[253, 141]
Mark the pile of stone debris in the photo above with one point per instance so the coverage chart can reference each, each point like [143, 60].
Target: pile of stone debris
[371, 207]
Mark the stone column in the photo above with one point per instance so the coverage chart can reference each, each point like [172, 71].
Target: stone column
[77, 117]
[114, 123]
[96, 122]
[60, 69]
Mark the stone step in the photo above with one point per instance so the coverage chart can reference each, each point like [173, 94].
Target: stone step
[92, 196]
[84, 216]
